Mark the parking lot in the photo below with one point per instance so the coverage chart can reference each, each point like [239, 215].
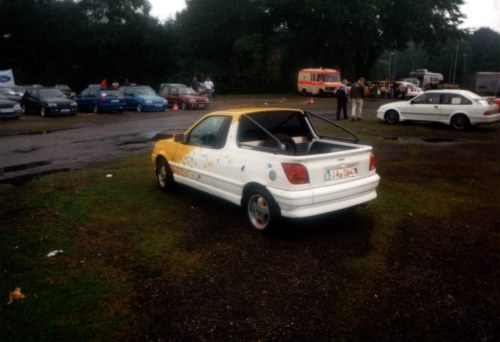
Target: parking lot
[418, 263]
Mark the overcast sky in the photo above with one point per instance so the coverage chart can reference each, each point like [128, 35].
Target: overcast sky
[479, 12]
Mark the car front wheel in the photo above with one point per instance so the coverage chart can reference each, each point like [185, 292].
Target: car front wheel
[391, 117]
[42, 111]
[184, 106]
[139, 108]
[460, 122]
[164, 175]
[262, 210]
[95, 109]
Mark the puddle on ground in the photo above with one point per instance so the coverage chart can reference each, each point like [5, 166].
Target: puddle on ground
[438, 140]
[147, 137]
[25, 179]
[433, 140]
[27, 150]
[22, 167]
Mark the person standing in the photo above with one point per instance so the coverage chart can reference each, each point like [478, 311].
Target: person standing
[357, 96]
[209, 88]
[195, 84]
[342, 98]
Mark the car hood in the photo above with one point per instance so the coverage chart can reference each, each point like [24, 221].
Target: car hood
[61, 100]
[7, 103]
[396, 104]
[151, 97]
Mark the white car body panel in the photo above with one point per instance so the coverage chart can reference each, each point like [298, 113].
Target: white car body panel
[444, 112]
[225, 172]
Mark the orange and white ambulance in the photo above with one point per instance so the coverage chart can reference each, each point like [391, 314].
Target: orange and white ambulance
[318, 81]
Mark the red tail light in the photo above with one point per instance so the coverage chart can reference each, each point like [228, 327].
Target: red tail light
[102, 100]
[296, 173]
[373, 162]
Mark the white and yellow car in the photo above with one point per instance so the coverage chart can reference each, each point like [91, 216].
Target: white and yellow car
[271, 161]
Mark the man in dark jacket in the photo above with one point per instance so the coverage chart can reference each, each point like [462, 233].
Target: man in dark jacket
[341, 95]
[357, 96]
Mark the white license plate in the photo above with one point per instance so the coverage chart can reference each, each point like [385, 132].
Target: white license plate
[158, 105]
[115, 101]
[6, 110]
[65, 110]
[334, 174]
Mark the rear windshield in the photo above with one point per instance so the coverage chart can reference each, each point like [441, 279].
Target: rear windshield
[105, 93]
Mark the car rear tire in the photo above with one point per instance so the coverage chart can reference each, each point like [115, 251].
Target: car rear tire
[460, 122]
[95, 109]
[164, 175]
[184, 106]
[391, 117]
[42, 111]
[139, 108]
[25, 109]
[262, 210]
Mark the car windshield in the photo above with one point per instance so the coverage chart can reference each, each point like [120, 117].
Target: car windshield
[187, 91]
[332, 78]
[105, 93]
[48, 93]
[145, 91]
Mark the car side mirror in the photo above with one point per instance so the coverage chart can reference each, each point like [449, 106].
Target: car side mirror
[179, 137]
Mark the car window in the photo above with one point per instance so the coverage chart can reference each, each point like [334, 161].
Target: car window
[173, 91]
[85, 92]
[129, 91]
[211, 132]
[455, 99]
[429, 98]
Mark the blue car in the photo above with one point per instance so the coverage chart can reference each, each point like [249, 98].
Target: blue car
[143, 99]
[101, 100]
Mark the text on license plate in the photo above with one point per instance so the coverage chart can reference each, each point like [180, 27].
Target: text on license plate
[65, 110]
[340, 173]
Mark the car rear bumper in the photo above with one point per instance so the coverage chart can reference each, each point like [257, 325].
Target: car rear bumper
[305, 203]
[487, 119]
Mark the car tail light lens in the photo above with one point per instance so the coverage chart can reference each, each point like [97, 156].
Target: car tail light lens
[373, 162]
[296, 173]
[102, 100]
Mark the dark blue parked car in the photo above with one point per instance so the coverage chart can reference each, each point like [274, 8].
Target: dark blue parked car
[101, 100]
[143, 99]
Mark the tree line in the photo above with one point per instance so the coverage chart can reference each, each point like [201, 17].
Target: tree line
[245, 45]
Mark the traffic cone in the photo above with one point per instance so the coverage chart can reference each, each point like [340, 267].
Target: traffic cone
[176, 107]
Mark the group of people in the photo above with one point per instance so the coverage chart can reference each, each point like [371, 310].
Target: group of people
[357, 95]
[207, 87]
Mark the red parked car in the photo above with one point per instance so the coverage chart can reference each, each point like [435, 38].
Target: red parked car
[183, 96]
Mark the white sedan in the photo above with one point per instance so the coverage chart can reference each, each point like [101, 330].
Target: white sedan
[458, 108]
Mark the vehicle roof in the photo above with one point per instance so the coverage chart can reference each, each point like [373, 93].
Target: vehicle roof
[173, 85]
[454, 91]
[237, 112]
[320, 70]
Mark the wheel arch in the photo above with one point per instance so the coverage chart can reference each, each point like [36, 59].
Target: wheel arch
[459, 113]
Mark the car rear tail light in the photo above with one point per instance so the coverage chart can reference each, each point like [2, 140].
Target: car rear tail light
[490, 112]
[296, 173]
[373, 162]
[102, 100]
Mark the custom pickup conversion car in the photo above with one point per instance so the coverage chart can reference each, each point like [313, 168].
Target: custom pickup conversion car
[271, 161]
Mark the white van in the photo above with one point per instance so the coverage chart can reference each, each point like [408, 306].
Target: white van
[318, 81]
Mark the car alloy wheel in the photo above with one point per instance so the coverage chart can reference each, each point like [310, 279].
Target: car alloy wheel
[42, 111]
[460, 122]
[95, 109]
[262, 210]
[139, 108]
[184, 106]
[391, 117]
[164, 175]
